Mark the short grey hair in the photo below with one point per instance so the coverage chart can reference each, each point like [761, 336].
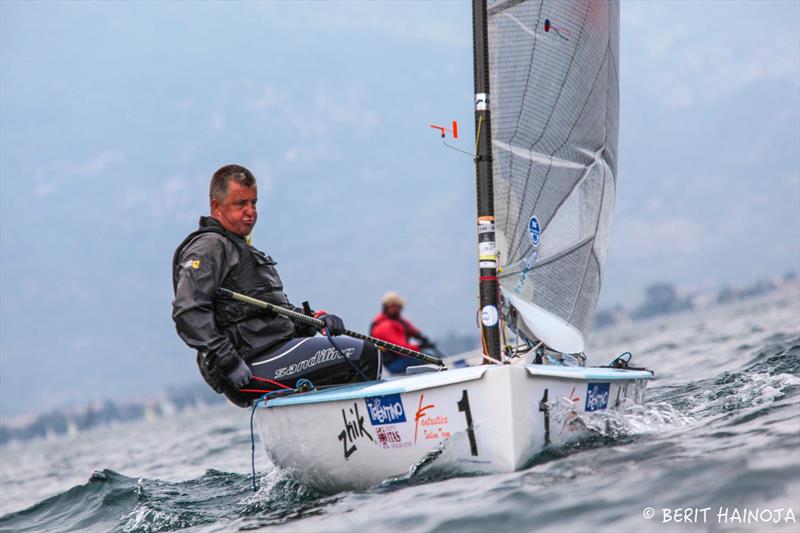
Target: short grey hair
[222, 177]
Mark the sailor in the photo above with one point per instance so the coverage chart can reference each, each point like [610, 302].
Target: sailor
[228, 334]
[390, 326]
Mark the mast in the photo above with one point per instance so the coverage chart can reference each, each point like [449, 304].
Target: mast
[487, 248]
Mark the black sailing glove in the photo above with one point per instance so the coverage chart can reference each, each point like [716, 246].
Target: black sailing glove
[304, 330]
[240, 376]
[333, 324]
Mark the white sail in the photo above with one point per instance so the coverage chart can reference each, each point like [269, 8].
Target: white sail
[555, 108]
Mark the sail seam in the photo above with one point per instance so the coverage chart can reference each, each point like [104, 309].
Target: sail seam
[513, 240]
[561, 204]
[503, 6]
[509, 272]
[594, 236]
[547, 175]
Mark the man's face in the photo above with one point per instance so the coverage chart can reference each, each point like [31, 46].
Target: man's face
[237, 212]
[393, 310]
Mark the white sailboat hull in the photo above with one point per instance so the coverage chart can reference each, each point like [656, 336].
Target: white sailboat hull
[356, 436]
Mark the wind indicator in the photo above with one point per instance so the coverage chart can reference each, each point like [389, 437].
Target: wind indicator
[444, 130]
[561, 32]
[454, 132]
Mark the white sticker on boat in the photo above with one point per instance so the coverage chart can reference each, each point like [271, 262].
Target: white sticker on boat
[534, 231]
[489, 315]
[485, 226]
[391, 437]
[487, 264]
[487, 248]
[481, 101]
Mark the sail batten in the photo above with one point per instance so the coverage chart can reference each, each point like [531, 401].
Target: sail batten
[555, 106]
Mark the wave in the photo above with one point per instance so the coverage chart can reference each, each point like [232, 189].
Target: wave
[712, 413]
[110, 501]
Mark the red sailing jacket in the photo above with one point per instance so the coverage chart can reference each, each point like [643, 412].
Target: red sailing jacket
[394, 331]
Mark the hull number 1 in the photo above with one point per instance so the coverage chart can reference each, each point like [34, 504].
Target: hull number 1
[463, 406]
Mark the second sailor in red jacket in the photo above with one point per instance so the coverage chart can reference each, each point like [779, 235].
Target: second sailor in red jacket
[390, 326]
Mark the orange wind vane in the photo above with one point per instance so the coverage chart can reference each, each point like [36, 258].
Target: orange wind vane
[443, 129]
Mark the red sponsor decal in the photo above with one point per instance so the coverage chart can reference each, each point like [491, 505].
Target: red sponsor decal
[431, 429]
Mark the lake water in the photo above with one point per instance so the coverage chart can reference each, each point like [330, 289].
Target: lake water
[717, 442]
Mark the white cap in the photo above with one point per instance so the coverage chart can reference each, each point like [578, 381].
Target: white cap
[391, 298]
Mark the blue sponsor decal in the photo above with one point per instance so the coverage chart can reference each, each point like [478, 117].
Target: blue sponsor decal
[597, 396]
[534, 231]
[385, 409]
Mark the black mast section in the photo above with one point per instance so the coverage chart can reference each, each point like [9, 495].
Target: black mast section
[487, 248]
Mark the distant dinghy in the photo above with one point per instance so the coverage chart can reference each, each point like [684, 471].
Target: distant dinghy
[546, 125]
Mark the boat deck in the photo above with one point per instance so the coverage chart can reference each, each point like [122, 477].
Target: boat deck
[413, 383]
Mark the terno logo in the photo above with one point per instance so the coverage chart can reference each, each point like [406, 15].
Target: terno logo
[596, 396]
[385, 409]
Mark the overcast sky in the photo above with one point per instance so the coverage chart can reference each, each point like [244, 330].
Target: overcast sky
[114, 115]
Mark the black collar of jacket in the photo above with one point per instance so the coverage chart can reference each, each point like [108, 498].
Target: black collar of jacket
[211, 222]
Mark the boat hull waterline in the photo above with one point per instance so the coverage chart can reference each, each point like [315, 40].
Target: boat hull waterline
[485, 419]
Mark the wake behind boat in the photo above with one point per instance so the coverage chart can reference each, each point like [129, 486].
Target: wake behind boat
[546, 114]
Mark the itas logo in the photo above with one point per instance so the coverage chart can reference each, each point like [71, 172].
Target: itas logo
[390, 437]
[597, 396]
[385, 409]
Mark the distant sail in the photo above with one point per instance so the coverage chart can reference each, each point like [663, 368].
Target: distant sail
[555, 113]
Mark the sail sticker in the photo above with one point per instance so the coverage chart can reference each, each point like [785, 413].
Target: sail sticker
[481, 101]
[534, 231]
[385, 409]
[597, 396]
[489, 316]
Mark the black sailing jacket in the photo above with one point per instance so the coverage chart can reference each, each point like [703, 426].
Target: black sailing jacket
[222, 330]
